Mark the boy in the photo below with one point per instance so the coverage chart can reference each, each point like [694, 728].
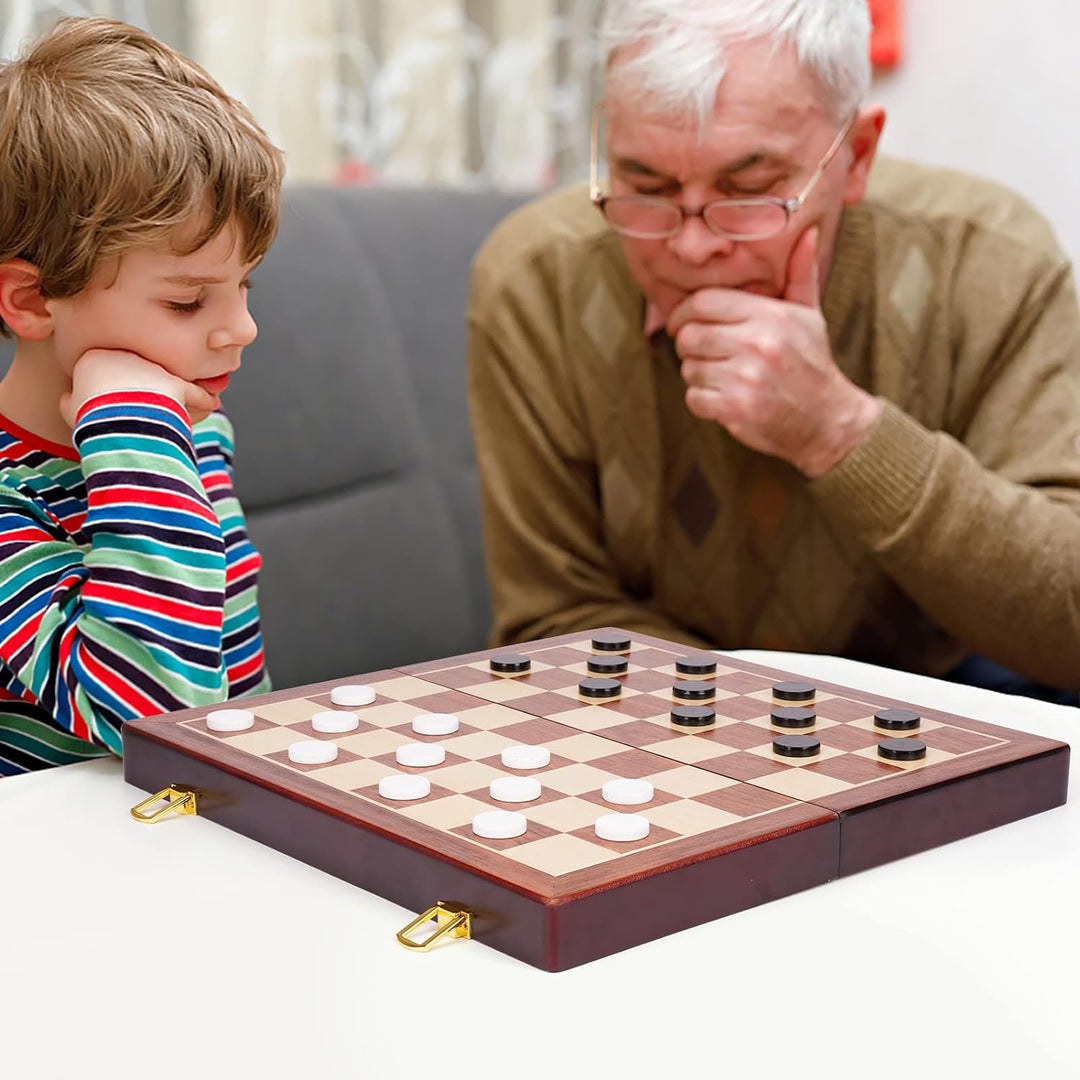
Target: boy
[135, 199]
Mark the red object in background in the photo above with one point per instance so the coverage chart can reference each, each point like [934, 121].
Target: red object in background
[885, 40]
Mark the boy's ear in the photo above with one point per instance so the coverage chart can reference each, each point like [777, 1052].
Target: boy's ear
[22, 307]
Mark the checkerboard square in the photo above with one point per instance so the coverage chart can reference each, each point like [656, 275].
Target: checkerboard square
[547, 704]
[955, 741]
[645, 705]
[466, 778]
[838, 708]
[846, 737]
[801, 784]
[291, 711]
[445, 701]
[689, 783]
[742, 765]
[476, 744]
[741, 736]
[688, 817]
[535, 732]
[561, 655]
[854, 769]
[263, 742]
[742, 682]
[562, 813]
[359, 773]
[575, 779]
[405, 688]
[583, 747]
[640, 733]
[745, 800]
[648, 680]
[741, 708]
[460, 678]
[688, 749]
[446, 812]
[562, 854]
[632, 764]
[282, 758]
[373, 743]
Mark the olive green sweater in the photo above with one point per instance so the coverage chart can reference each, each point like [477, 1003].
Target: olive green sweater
[953, 528]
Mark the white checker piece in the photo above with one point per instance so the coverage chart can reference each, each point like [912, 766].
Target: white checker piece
[230, 719]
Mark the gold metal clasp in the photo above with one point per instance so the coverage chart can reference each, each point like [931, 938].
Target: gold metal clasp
[452, 920]
[180, 800]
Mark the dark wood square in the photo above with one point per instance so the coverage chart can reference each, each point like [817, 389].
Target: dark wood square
[742, 766]
[559, 656]
[647, 681]
[853, 769]
[740, 708]
[741, 736]
[954, 740]
[548, 703]
[842, 709]
[445, 701]
[743, 799]
[653, 658]
[459, 677]
[639, 733]
[844, 737]
[535, 731]
[641, 705]
[551, 679]
[633, 764]
[743, 683]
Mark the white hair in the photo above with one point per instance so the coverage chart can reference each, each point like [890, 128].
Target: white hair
[672, 52]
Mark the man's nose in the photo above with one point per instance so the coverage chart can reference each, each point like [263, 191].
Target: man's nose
[695, 243]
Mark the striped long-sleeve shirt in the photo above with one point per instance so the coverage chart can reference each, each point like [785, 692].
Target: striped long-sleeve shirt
[127, 580]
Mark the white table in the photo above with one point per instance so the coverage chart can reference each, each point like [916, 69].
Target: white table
[189, 951]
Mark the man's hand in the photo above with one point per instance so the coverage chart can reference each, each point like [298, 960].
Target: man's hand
[99, 371]
[764, 370]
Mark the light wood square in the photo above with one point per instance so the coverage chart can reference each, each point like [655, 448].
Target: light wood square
[502, 690]
[574, 779]
[352, 774]
[561, 854]
[267, 741]
[689, 818]
[689, 749]
[468, 776]
[477, 745]
[566, 815]
[583, 747]
[688, 782]
[492, 717]
[293, 711]
[803, 785]
[408, 686]
[371, 744]
[446, 813]
[389, 714]
[588, 717]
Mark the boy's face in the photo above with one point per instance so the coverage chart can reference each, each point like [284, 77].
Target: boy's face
[186, 313]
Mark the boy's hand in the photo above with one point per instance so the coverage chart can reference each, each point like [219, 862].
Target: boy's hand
[100, 371]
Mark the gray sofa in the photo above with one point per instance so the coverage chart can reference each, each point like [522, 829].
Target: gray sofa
[354, 455]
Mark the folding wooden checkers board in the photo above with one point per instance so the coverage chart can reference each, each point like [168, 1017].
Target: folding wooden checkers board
[758, 787]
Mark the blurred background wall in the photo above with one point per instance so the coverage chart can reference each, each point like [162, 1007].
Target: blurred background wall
[498, 92]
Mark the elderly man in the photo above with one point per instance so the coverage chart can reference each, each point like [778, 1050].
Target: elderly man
[755, 393]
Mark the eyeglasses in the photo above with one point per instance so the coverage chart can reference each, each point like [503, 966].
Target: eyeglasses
[651, 217]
